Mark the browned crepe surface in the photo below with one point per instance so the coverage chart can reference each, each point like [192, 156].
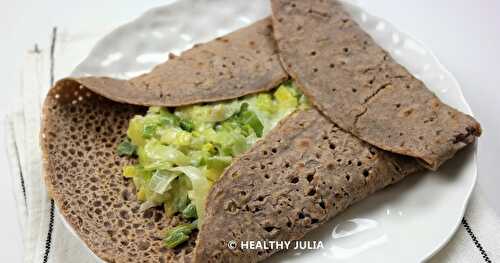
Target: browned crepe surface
[303, 173]
[81, 130]
[237, 64]
[360, 87]
[305, 162]
[83, 174]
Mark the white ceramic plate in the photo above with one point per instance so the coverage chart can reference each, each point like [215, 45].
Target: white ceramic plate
[408, 222]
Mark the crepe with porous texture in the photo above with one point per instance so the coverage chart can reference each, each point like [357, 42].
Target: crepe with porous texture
[361, 88]
[302, 174]
[240, 63]
[83, 173]
[84, 119]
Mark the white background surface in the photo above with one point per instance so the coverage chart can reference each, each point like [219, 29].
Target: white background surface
[465, 35]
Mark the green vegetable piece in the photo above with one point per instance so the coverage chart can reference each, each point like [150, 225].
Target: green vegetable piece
[149, 130]
[157, 152]
[186, 125]
[265, 103]
[285, 97]
[200, 187]
[161, 180]
[135, 129]
[167, 118]
[178, 235]
[177, 196]
[130, 171]
[154, 109]
[250, 118]
[218, 162]
[190, 211]
[126, 148]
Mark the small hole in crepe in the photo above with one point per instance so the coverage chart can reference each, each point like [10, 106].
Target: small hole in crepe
[270, 228]
[301, 215]
[310, 177]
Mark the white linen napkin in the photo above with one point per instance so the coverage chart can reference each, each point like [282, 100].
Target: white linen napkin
[47, 240]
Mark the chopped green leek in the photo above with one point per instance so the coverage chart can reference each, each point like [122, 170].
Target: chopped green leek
[189, 212]
[178, 235]
[126, 148]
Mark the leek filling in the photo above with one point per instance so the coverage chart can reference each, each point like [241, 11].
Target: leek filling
[182, 151]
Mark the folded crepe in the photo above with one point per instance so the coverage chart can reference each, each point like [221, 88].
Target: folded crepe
[84, 120]
[360, 87]
[240, 63]
[302, 173]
